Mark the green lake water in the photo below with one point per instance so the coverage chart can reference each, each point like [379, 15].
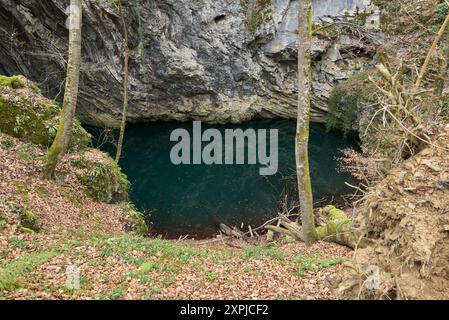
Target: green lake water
[194, 199]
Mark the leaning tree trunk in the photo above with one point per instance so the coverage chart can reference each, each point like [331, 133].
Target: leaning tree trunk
[442, 80]
[62, 139]
[125, 86]
[303, 122]
[430, 53]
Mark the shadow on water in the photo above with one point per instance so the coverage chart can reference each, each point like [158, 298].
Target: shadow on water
[193, 199]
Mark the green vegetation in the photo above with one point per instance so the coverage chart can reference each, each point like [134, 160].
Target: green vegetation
[28, 115]
[344, 103]
[260, 252]
[441, 11]
[212, 276]
[258, 14]
[314, 262]
[10, 273]
[18, 243]
[7, 143]
[41, 191]
[26, 152]
[137, 221]
[163, 249]
[103, 179]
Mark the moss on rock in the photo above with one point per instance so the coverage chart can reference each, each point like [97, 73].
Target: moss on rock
[15, 82]
[257, 13]
[338, 228]
[335, 221]
[345, 100]
[28, 221]
[136, 220]
[26, 114]
[102, 177]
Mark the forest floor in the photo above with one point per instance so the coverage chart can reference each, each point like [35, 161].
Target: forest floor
[114, 264]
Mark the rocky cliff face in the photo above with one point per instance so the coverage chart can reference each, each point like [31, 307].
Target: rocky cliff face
[217, 61]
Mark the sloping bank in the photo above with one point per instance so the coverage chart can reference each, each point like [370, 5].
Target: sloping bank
[406, 217]
[86, 175]
[83, 220]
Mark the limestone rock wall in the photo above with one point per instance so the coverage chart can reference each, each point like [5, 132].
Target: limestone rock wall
[217, 61]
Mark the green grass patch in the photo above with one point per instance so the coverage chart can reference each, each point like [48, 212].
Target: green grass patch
[10, 273]
[155, 247]
[41, 191]
[314, 262]
[264, 252]
[7, 143]
[18, 243]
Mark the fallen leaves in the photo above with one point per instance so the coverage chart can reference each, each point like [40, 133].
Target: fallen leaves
[113, 265]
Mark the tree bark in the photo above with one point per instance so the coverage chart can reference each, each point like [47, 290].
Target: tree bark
[430, 53]
[125, 86]
[62, 139]
[441, 82]
[303, 122]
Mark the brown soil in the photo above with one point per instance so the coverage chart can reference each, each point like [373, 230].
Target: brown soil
[407, 217]
[117, 265]
[59, 206]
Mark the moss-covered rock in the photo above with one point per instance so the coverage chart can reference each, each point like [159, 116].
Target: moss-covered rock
[15, 82]
[336, 220]
[257, 13]
[26, 114]
[338, 228]
[102, 177]
[345, 101]
[28, 221]
[136, 220]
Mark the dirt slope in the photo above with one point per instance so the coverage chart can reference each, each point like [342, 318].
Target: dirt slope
[407, 218]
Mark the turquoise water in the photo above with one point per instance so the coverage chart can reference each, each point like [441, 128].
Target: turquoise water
[194, 199]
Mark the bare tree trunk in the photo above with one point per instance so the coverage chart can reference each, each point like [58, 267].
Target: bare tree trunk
[62, 139]
[303, 122]
[125, 86]
[441, 82]
[430, 53]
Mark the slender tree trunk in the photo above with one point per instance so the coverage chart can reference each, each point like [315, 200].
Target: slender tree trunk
[430, 53]
[62, 139]
[441, 82]
[303, 122]
[125, 86]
